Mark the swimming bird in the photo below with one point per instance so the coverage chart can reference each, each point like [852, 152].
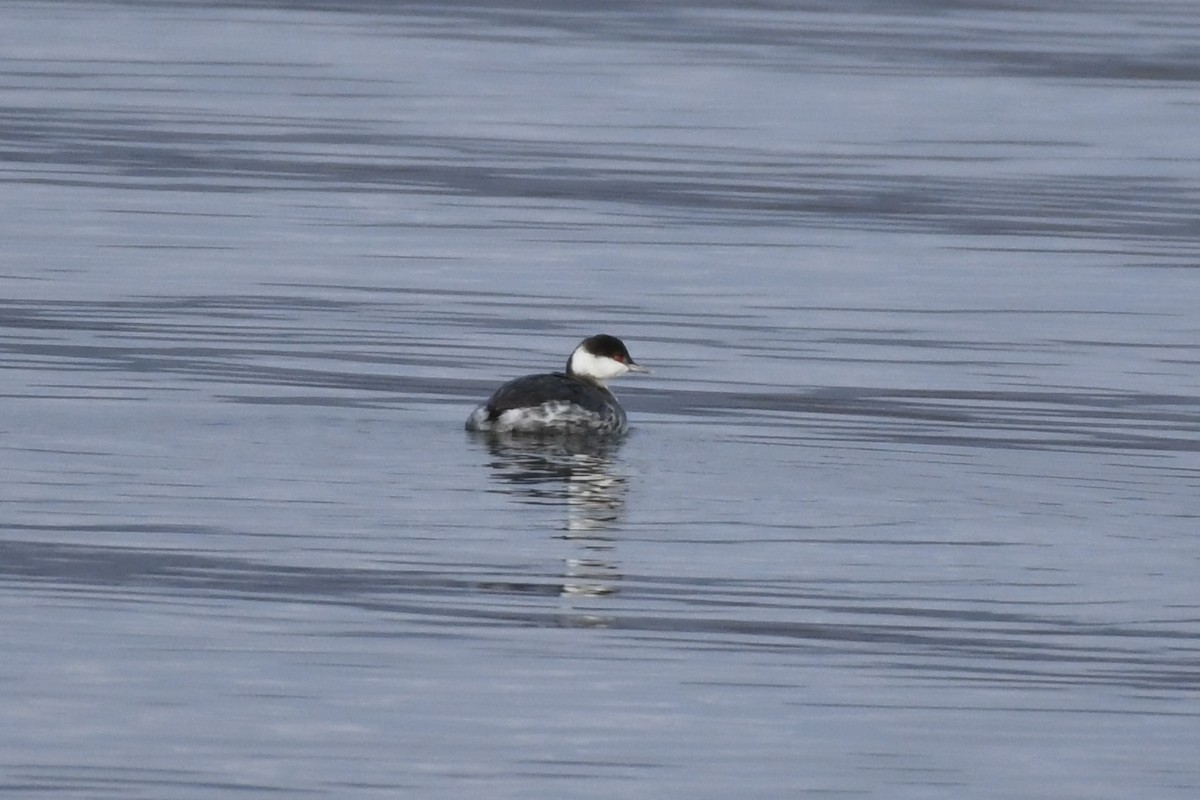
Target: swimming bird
[577, 401]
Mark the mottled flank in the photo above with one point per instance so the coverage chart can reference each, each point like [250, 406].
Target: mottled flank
[556, 416]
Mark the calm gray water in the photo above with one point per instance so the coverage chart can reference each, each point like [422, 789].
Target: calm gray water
[911, 503]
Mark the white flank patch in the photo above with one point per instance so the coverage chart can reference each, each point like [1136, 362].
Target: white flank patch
[557, 416]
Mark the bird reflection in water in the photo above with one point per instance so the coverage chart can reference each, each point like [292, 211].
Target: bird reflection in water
[576, 473]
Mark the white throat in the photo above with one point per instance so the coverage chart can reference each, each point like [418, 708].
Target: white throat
[599, 369]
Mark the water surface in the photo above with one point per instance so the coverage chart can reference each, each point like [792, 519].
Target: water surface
[909, 507]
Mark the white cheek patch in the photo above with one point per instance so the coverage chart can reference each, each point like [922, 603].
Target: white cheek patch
[598, 368]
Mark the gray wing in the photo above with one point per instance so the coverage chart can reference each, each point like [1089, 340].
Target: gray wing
[534, 389]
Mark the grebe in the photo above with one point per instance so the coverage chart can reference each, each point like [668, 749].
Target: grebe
[573, 402]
